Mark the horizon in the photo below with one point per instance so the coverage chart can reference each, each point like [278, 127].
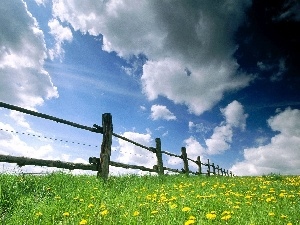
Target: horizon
[221, 79]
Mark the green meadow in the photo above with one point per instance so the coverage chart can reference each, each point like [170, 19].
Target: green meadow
[61, 198]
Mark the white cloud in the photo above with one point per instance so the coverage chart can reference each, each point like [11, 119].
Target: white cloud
[281, 155]
[222, 136]
[199, 127]
[13, 144]
[41, 2]
[60, 34]
[220, 140]
[193, 150]
[234, 115]
[161, 112]
[204, 45]
[131, 154]
[24, 81]
[290, 11]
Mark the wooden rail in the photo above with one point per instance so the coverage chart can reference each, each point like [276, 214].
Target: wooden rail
[45, 116]
[101, 164]
[22, 161]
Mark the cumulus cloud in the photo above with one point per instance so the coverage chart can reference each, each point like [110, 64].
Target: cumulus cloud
[222, 136]
[290, 11]
[24, 81]
[194, 66]
[61, 34]
[161, 112]
[234, 115]
[131, 154]
[14, 145]
[220, 140]
[281, 155]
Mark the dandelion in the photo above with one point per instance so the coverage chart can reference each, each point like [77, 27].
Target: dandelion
[191, 220]
[186, 209]
[188, 222]
[289, 224]
[136, 213]
[226, 215]
[271, 214]
[211, 216]
[83, 222]
[173, 206]
[154, 212]
[66, 214]
[268, 200]
[104, 212]
[90, 206]
[38, 214]
[283, 216]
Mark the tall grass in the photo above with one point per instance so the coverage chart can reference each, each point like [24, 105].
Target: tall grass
[67, 199]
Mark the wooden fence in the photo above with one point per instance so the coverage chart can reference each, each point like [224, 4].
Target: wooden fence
[101, 164]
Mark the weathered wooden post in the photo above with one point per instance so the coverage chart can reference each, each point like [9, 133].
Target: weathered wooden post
[185, 161]
[214, 168]
[218, 169]
[208, 168]
[199, 165]
[160, 166]
[106, 145]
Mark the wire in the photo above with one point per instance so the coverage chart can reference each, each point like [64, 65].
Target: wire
[50, 138]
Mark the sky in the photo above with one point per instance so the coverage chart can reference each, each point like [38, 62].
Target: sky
[220, 78]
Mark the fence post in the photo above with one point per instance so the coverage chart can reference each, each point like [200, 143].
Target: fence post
[106, 145]
[218, 169]
[208, 168]
[214, 168]
[160, 166]
[199, 165]
[185, 160]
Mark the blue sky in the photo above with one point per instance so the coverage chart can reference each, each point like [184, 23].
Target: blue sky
[221, 79]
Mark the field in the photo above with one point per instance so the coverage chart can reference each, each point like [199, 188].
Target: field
[172, 199]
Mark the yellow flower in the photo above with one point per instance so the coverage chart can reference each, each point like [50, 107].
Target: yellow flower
[188, 222]
[192, 218]
[289, 224]
[136, 213]
[90, 206]
[66, 214]
[104, 212]
[211, 216]
[227, 217]
[271, 214]
[283, 216]
[39, 214]
[173, 206]
[225, 213]
[186, 209]
[154, 212]
[83, 222]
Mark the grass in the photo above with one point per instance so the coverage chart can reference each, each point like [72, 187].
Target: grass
[67, 199]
